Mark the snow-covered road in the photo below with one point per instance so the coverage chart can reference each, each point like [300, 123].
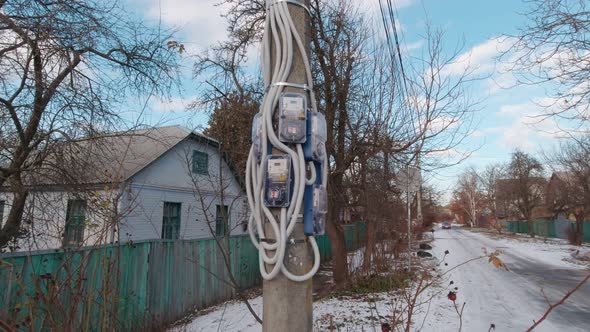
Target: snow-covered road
[511, 300]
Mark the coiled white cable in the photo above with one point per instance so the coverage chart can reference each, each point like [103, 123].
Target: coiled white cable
[280, 31]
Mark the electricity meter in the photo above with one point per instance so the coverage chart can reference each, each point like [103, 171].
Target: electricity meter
[320, 209]
[318, 136]
[292, 117]
[257, 124]
[278, 181]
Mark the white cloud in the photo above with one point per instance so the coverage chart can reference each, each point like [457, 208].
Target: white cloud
[414, 45]
[518, 109]
[399, 4]
[526, 127]
[477, 133]
[443, 123]
[172, 105]
[449, 154]
[199, 22]
[480, 59]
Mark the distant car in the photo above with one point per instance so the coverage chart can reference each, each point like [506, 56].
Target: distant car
[446, 225]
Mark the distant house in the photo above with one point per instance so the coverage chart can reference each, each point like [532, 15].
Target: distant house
[161, 183]
[563, 193]
[507, 199]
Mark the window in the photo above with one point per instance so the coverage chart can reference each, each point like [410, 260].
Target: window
[75, 222]
[245, 215]
[200, 163]
[221, 220]
[1, 212]
[171, 221]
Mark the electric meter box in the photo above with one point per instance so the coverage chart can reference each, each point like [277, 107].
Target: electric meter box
[277, 188]
[316, 208]
[292, 117]
[317, 137]
[257, 135]
[320, 209]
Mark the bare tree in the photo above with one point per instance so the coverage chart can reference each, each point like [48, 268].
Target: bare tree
[526, 189]
[469, 195]
[439, 103]
[218, 196]
[553, 48]
[569, 190]
[488, 179]
[65, 67]
[359, 92]
[230, 124]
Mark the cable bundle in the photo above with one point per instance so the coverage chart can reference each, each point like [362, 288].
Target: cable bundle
[280, 31]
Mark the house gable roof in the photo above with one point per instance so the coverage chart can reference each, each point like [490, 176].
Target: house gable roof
[111, 158]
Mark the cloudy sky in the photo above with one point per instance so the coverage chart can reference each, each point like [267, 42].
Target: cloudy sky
[507, 118]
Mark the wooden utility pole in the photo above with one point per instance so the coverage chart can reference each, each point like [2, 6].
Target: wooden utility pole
[287, 305]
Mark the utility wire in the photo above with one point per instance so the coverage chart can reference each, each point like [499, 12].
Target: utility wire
[399, 53]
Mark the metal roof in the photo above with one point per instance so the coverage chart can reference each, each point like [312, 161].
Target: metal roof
[111, 158]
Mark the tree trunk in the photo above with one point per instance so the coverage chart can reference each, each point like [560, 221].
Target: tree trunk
[530, 223]
[369, 246]
[335, 230]
[11, 229]
[338, 247]
[579, 230]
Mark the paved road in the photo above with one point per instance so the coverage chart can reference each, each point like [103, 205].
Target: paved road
[512, 299]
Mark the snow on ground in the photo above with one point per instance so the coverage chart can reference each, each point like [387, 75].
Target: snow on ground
[511, 300]
[555, 252]
[229, 316]
[492, 296]
[344, 313]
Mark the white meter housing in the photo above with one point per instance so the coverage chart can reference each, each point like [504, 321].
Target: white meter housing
[318, 136]
[292, 117]
[257, 135]
[320, 209]
[278, 181]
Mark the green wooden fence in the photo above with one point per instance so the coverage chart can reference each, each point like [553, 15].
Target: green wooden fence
[548, 228]
[129, 286]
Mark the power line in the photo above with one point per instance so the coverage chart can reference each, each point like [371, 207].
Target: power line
[388, 16]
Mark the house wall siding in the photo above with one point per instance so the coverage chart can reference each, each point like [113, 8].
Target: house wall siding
[140, 201]
[145, 211]
[170, 179]
[44, 218]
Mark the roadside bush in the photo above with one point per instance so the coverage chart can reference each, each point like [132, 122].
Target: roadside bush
[571, 235]
[378, 283]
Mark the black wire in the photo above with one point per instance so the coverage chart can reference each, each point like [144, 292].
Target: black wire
[394, 55]
[399, 53]
[387, 37]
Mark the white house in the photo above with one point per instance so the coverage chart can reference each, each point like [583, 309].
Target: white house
[161, 183]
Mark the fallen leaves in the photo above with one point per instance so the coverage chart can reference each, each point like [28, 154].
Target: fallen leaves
[497, 262]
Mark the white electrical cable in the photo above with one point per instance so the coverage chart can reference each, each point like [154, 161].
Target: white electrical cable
[280, 32]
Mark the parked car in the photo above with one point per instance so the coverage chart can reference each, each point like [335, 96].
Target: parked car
[446, 225]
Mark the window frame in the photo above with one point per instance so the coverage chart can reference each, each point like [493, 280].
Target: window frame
[200, 166]
[2, 204]
[171, 223]
[75, 224]
[222, 228]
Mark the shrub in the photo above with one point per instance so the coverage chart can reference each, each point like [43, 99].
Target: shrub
[571, 234]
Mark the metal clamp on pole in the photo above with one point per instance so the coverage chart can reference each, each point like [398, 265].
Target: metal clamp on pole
[291, 85]
[296, 241]
[293, 2]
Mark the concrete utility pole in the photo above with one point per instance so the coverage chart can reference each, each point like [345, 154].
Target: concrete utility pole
[288, 305]
[419, 191]
[409, 210]
[409, 180]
